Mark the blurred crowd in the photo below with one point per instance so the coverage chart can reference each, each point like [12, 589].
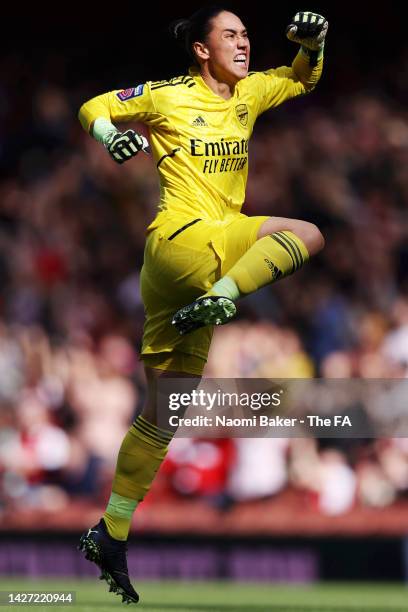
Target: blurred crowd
[71, 246]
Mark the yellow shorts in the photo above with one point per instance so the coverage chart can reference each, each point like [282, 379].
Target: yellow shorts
[183, 259]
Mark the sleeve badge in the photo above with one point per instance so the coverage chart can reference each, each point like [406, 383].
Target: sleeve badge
[129, 93]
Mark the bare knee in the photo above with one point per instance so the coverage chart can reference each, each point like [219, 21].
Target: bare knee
[312, 238]
[309, 233]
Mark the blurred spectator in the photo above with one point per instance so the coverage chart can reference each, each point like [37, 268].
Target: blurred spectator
[260, 468]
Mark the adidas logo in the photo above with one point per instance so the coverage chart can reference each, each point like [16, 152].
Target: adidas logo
[276, 273]
[199, 121]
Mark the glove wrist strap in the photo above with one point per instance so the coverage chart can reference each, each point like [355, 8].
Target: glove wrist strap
[103, 130]
[312, 56]
[308, 52]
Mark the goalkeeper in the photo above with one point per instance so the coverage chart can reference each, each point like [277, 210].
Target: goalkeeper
[202, 254]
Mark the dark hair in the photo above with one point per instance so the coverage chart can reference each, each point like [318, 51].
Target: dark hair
[188, 31]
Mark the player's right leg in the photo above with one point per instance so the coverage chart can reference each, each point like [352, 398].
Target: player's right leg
[172, 274]
[142, 451]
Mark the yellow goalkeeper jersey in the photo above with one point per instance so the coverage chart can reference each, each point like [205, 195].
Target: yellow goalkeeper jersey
[199, 140]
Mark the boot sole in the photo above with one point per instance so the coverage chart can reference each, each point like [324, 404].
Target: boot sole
[92, 553]
[210, 310]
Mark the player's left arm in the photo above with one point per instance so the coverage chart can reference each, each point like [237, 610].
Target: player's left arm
[309, 30]
[279, 84]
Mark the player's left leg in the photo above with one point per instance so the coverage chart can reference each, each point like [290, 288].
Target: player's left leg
[282, 247]
[275, 247]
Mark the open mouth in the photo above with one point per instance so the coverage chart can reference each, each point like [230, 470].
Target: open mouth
[240, 59]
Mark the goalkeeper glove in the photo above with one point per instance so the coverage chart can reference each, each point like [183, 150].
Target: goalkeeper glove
[122, 146]
[309, 30]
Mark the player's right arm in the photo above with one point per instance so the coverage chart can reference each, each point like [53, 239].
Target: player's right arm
[97, 114]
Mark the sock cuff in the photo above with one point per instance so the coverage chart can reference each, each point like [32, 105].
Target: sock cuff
[153, 435]
[298, 242]
[294, 246]
[121, 506]
[225, 287]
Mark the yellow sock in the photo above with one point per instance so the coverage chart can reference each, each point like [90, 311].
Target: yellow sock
[269, 259]
[140, 456]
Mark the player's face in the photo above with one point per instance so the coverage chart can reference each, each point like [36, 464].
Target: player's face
[228, 48]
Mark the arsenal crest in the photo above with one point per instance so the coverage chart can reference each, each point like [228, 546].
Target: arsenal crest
[242, 113]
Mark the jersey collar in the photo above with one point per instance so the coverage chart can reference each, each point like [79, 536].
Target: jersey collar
[202, 85]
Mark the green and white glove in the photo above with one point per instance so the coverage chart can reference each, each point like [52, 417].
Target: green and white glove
[308, 29]
[125, 145]
[121, 146]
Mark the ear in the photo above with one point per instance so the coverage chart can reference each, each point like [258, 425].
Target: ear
[201, 51]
